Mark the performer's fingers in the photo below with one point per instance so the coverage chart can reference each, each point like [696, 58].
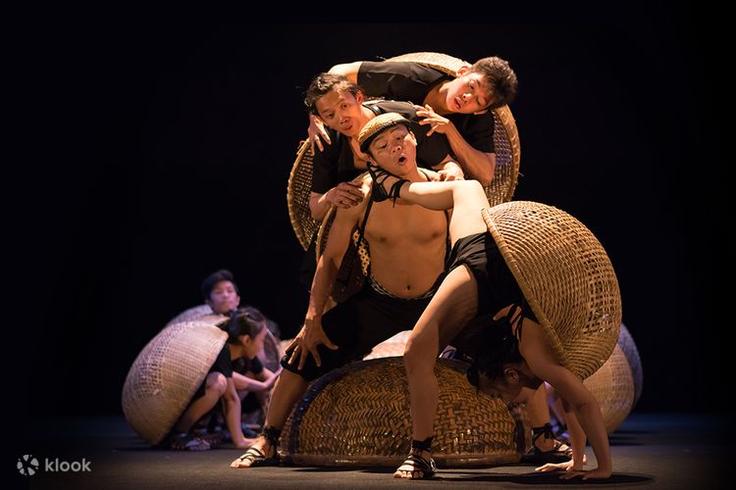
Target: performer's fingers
[329, 344]
[303, 358]
[292, 358]
[325, 135]
[315, 354]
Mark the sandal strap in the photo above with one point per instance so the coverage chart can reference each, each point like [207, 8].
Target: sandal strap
[272, 435]
[561, 447]
[415, 462]
[252, 454]
[545, 430]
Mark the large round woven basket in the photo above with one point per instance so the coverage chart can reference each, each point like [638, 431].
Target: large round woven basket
[614, 384]
[627, 345]
[194, 313]
[359, 415]
[613, 387]
[566, 277]
[391, 347]
[505, 140]
[166, 374]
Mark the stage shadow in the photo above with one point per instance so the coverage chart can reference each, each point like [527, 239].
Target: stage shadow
[546, 479]
[622, 440]
[365, 469]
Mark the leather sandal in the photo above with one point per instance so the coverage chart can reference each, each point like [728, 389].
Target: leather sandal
[415, 467]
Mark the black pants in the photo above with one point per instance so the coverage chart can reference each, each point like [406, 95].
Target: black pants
[356, 326]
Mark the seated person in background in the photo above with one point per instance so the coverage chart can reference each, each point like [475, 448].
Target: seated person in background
[245, 338]
[253, 381]
[251, 378]
[221, 292]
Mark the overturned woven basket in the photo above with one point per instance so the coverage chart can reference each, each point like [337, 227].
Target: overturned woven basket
[614, 385]
[565, 276]
[627, 345]
[194, 313]
[166, 374]
[359, 415]
[501, 189]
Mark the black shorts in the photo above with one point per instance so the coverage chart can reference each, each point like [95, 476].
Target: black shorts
[497, 287]
[358, 325]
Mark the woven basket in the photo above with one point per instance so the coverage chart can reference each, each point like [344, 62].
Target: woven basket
[359, 415]
[393, 347]
[565, 275]
[166, 374]
[615, 384]
[626, 342]
[193, 313]
[501, 189]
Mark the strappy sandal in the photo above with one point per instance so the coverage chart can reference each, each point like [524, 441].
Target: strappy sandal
[255, 457]
[560, 453]
[415, 463]
[379, 176]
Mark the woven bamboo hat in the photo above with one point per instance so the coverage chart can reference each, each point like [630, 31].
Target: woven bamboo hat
[357, 415]
[377, 125]
[505, 140]
[166, 374]
[565, 276]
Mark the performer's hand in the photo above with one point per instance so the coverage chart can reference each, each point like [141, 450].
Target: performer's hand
[438, 124]
[317, 133]
[451, 172]
[272, 380]
[310, 337]
[573, 471]
[295, 347]
[345, 195]
[566, 466]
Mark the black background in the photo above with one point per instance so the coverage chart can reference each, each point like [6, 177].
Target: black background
[156, 149]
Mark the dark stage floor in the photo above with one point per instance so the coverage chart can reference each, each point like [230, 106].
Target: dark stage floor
[650, 450]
